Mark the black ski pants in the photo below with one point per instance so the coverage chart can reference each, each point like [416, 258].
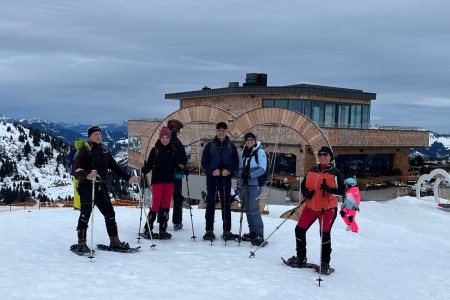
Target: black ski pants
[102, 201]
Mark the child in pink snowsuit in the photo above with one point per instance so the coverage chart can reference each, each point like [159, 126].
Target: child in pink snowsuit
[351, 204]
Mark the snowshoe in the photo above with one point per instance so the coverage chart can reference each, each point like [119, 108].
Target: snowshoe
[209, 236]
[177, 227]
[229, 236]
[326, 269]
[248, 237]
[81, 249]
[127, 250]
[258, 240]
[295, 262]
[164, 235]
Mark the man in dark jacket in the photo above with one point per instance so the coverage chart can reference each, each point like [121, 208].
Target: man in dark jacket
[220, 161]
[175, 127]
[92, 164]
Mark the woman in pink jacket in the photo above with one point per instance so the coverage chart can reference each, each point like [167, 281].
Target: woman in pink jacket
[351, 204]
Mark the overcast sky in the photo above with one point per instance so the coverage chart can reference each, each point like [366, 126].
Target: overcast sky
[97, 61]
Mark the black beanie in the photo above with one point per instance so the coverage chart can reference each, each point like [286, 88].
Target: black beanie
[93, 129]
[249, 135]
[326, 150]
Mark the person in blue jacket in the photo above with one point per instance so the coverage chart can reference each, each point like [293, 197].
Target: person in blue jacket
[220, 161]
[252, 164]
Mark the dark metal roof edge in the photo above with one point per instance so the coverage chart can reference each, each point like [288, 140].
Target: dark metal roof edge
[296, 89]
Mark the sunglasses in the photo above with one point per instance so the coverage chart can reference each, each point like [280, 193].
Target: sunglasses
[322, 154]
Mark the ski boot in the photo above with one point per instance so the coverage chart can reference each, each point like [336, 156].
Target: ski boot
[209, 236]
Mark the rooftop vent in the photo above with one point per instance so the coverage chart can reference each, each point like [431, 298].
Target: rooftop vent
[255, 79]
[233, 84]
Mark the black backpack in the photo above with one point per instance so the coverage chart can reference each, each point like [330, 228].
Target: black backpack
[266, 176]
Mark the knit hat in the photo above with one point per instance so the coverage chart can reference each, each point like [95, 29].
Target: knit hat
[164, 131]
[93, 129]
[171, 124]
[221, 125]
[249, 135]
[326, 150]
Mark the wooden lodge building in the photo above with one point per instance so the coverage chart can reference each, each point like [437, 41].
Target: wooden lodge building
[292, 122]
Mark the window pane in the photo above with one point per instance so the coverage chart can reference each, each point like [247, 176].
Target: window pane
[329, 115]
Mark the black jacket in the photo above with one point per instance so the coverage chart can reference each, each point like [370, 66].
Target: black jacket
[181, 152]
[162, 162]
[96, 158]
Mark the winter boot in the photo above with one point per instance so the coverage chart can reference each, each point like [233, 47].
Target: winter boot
[150, 220]
[258, 240]
[295, 262]
[177, 227]
[209, 236]
[326, 268]
[81, 246]
[164, 235]
[115, 243]
[229, 236]
[248, 237]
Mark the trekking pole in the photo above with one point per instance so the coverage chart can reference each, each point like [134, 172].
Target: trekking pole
[141, 204]
[224, 211]
[141, 199]
[190, 208]
[252, 253]
[321, 234]
[244, 194]
[92, 216]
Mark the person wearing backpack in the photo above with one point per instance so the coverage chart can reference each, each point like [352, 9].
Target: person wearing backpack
[220, 161]
[162, 162]
[71, 158]
[92, 163]
[252, 165]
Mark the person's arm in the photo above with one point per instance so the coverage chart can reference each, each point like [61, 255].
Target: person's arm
[148, 166]
[206, 159]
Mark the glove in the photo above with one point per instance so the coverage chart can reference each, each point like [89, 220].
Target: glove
[325, 187]
[186, 172]
[179, 176]
[245, 176]
[342, 213]
[309, 194]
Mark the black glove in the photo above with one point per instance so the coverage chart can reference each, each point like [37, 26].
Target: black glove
[245, 176]
[350, 219]
[342, 213]
[309, 194]
[325, 187]
[186, 172]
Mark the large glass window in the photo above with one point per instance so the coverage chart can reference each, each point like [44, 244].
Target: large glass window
[327, 114]
[364, 165]
[285, 163]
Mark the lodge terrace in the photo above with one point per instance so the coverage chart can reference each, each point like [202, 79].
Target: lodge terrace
[291, 121]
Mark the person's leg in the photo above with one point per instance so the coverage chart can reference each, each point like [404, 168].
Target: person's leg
[224, 191]
[328, 221]
[211, 184]
[178, 199]
[253, 212]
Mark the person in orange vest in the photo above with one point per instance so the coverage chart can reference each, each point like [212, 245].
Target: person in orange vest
[320, 187]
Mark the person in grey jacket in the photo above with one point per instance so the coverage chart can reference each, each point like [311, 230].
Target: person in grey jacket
[252, 164]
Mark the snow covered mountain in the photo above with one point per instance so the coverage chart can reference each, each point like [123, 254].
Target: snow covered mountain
[34, 166]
